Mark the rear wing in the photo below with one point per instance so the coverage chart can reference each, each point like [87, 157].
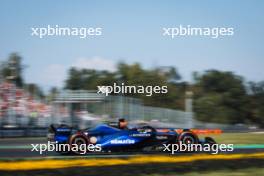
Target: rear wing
[54, 128]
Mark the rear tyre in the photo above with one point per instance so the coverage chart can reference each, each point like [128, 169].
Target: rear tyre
[79, 145]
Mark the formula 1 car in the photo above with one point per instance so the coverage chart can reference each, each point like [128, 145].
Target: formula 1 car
[111, 138]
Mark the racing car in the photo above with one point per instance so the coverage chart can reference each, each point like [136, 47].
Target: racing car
[111, 138]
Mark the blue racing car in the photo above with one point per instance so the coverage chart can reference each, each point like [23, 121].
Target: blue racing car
[116, 138]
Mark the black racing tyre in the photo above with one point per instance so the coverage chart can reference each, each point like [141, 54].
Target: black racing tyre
[209, 140]
[188, 138]
[78, 144]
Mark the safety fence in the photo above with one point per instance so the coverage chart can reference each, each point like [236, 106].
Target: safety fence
[86, 108]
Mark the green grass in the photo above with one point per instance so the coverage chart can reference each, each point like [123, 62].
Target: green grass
[238, 138]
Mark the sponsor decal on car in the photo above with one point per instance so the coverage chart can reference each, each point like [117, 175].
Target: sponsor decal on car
[162, 137]
[125, 141]
[141, 135]
[63, 130]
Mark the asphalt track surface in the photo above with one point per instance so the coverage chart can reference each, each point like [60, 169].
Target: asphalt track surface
[20, 148]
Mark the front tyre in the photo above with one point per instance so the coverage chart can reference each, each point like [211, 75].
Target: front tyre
[209, 140]
[188, 138]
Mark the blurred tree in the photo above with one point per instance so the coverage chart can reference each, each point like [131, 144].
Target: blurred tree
[256, 95]
[74, 81]
[133, 75]
[220, 97]
[12, 69]
[170, 73]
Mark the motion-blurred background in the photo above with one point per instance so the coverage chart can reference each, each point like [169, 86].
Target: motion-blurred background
[213, 83]
[215, 99]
